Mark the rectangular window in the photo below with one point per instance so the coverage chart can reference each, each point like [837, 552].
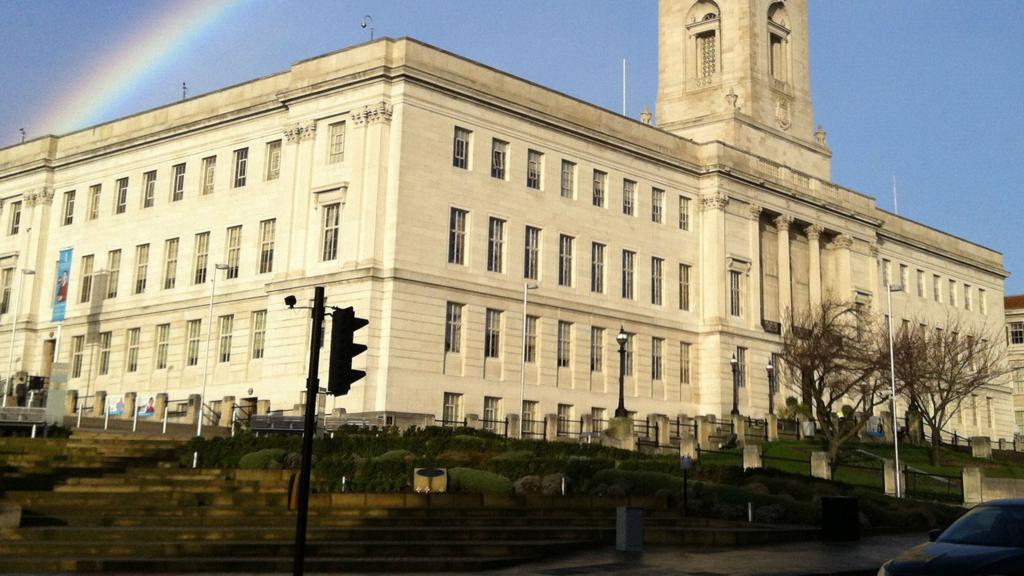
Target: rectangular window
[530, 349]
[163, 342]
[149, 189]
[684, 213]
[141, 267]
[565, 255]
[457, 221]
[1016, 332]
[177, 182]
[735, 291]
[259, 334]
[336, 143]
[493, 413]
[87, 267]
[628, 274]
[596, 349]
[905, 277]
[113, 272]
[886, 272]
[657, 265]
[657, 353]
[565, 417]
[241, 167]
[597, 268]
[684, 363]
[273, 160]
[95, 192]
[531, 258]
[564, 352]
[598, 418]
[453, 328]
[920, 283]
[460, 148]
[627, 363]
[121, 198]
[534, 169]
[6, 279]
[170, 263]
[233, 253]
[952, 293]
[332, 216]
[568, 179]
[657, 205]
[936, 288]
[982, 301]
[968, 297]
[132, 357]
[77, 349]
[495, 245]
[201, 258]
[452, 410]
[741, 366]
[69, 208]
[530, 411]
[224, 327]
[267, 230]
[1018, 377]
[499, 158]
[14, 223]
[105, 341]
[684, 287]
[209, 172]
[600, 185]
[628, 197]
[492, 334]
[195, 328]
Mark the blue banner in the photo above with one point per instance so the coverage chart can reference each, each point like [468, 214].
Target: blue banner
[60, 292]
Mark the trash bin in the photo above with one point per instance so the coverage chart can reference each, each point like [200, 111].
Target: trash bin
[840, 519]
[629, 529]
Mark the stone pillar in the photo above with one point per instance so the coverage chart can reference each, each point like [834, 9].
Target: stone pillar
[263, 407]
[889, 478]
[752, 457]
[160, 405]
[973, 479]
[772, 424]
[739, 428]
[71, 402]
[844, 267]
[688, 446]
[130, 404]
[712, 279]
[1018, 443]
[620, 434]
[705, 427]
[915, 428]
[813, 235]
[550, 427]
[887, 431]
[878, 291]
[473, 421]
[783, 222]
[515, 426]
[193, 411]
[754, 299]
[663, 431]
[586, 424]
[981, 447]
[820, 466]
[99, 403]
[227, 410]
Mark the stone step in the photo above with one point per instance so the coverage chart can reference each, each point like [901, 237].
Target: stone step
[103, 500]
[196, 488]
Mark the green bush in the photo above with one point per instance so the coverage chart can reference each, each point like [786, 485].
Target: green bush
[397, 455]
[262, 459]
[478, 481]
[637, 483]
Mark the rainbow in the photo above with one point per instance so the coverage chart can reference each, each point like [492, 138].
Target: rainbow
[97, 92]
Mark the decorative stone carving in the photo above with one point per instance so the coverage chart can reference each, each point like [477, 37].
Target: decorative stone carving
[715, 201]
[783, 222]
[646, 116]
[300, 132]
[732, 98]
[820, 136]
[42, 196]
[814, 231]
[382, 112]
[755, 211]
[843, 241]
[782, 113]
[873, 249]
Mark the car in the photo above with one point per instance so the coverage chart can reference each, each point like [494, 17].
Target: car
[986, 541]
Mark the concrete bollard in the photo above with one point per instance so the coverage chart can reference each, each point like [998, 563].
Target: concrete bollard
[70, 402]
[820, 466]
[889, 478]
[515, 427]
[772, 427]
[193, 410]
[99, 403]
[473, 421]
[752, 457]
[130, 402]
[972, 478]
[688, 446]
[661, 421]
[550, 427]
[160, 405]
[227, 408]
[705, 427]
[981, 447]
[739, 428]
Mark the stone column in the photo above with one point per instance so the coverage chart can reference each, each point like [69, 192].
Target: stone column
[844, 267]
[772, 424]
[887, 431]
[981, 447]
[705, 426]
[820, 466]
[688, 446]
[755, 268]
[473, 421]
[889, 478]
[813, 235]
[783, 222]
[973, 479]
[878, 291]
[752, 457]
[70, 402]
[713, 293]
[739, 428]
[515, 426]
[130, 404]
[99, 403]
[227, 410]
[551, 427]
[159, 405]
[663, 432]
[194, 411]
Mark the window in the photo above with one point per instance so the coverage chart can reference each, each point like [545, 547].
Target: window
[936, 288]
[565, 254]
[6, 278]
[259, 334]
[163, 342]
[776, 62]
[493, 413]
[149, 189]
[534, 169]
[209, 171]
[989, 412]
[492, 334]
[241, 167]
[598, 419]
[121, 198]
[452, 410]
[905, 277]
[14, 223]
[170, 263]
[706, 49]
[77, 349]
[530, 349]
[982, 302]
[499, 158]
[952, 292]
[1016, 332]
[565, 416]
[1018, 418]
[69, 208]
[201, 258]
[457, 236]
[600, 184]
[495, 245]
[627, 358]
[113, 272]
[657, 205]
[195, 328]
[596, 349]
[234, 251]
[657, 352]
[460, 149]
[1018, 377]
[87, 275]
[734, 293]
[568, 179]
[141, 267]
[94, 202]
[741, 366]
[968, 297]
[628, 276]
[177, 182]
[531, 259]
[336, 143]
[132, 357]
[684, 287]
[530, 409]
[886, 272]
[684, 213]
[920, 283]
[628, 197]
[684, 363]
[105, 340]
[225, 325]
[453, 328]
[267, 245]
[597, 268]
[564, 352]
[332, 215]
[273, 160]
[657, 264]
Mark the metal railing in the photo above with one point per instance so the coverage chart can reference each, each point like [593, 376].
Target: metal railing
[569, 428]
[451, 423]
[677, 427]
[935, 486]
[535, 429]
[495, 426]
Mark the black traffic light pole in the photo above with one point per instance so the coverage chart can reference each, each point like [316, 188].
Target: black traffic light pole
[309, 429]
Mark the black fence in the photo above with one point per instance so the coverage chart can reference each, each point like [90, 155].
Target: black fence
[789, 428]
[535, 429]
[451, 423]
[677, 427]
[570, 428]
[926, 485]
[495, 426]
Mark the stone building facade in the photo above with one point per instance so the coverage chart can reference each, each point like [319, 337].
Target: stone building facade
[1014, 306]
[429, 192]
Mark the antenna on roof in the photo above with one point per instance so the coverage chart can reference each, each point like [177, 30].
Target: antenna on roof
[184, 90]
[895, 199]
[367, 21]
[623, 86]
[22, 130]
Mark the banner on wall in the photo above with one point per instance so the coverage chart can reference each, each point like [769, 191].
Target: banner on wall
[115, 405]
[60, 292]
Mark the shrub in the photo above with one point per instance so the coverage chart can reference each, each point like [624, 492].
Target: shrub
[262, 459]
[637, 483]
[398, 455]
[478, 481]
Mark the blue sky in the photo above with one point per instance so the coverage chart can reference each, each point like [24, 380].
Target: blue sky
[925, 90]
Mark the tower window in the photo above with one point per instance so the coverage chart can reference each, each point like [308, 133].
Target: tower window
[707, 57]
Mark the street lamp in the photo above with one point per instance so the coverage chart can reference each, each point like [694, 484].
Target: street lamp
[771, 387]
[622, 337]
[735, 384]
[892, 375]
[209, 334]
[527, 286]
[14, 327]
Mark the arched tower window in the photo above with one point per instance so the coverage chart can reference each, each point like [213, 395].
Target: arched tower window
[703, 48]
[778, 43]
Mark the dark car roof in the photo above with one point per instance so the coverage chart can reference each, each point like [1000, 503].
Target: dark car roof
[1004, 502]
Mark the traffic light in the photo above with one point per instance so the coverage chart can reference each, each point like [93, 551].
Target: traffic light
[343, 349]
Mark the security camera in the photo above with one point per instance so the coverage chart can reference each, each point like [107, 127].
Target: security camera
[290, 301]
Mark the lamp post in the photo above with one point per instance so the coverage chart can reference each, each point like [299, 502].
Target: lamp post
[209, 337]
[771, 387]
[892, 380]
[527, 286]
[735, 384]
[622, 337]
[14, 328]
